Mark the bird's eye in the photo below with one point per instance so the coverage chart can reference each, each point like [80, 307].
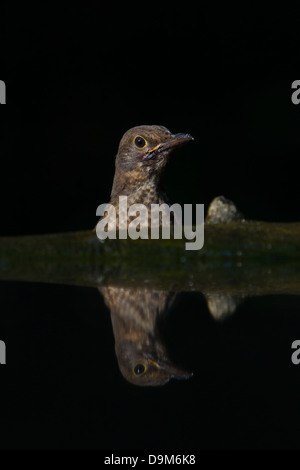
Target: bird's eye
[140, 142]
[139, 369]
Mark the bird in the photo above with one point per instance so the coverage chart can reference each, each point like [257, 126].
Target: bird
[138, 318]
[137, 314]
[143, 154]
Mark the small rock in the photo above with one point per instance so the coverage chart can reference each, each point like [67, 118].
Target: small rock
[223, 210]
[222, 306]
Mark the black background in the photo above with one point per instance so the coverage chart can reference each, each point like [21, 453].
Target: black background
[77, 78]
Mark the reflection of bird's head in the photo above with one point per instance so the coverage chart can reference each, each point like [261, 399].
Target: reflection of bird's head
[146, 148]
[138, 319]
[146, 368]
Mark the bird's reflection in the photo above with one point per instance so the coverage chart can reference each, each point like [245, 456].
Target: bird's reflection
[138, 316]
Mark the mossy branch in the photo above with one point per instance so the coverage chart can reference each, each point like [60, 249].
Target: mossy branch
[251, 258]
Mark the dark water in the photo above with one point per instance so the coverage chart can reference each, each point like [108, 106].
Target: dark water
[62, 386]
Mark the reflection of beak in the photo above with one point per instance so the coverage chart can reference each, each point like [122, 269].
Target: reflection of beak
[173, 371]
[178, 139]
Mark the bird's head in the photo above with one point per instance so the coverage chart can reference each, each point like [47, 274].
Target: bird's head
[146, 367]
[147, 148]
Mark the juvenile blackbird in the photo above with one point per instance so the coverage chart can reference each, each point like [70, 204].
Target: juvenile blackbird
[142, 156]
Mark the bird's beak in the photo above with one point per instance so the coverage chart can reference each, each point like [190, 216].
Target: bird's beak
[179, 374]
[175, 141]
[172, 371]
[178, 139]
